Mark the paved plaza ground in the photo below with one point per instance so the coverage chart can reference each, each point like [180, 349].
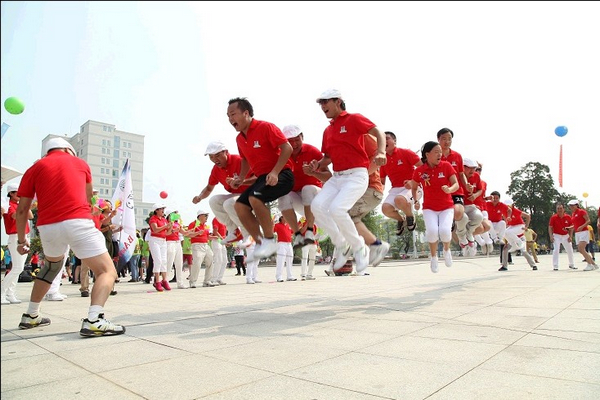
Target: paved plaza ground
[467, 332]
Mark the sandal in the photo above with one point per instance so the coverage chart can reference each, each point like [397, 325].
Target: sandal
[399, 228]
[410, 223]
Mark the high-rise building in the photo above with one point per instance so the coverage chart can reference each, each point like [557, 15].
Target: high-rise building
[106, 149]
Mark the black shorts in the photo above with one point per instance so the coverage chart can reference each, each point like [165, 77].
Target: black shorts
[267, 193]
[458, 199]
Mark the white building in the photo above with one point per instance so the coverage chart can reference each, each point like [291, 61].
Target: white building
[106, 149]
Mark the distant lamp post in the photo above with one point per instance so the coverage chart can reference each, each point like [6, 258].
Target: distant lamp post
[585, 196]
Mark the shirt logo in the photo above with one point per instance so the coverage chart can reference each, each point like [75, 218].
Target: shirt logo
[343, 129]
[256, 144]
[441, 175]
[454, 163]
[400, 162]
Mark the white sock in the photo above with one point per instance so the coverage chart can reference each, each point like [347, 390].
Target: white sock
[94, 312]
[33, 309]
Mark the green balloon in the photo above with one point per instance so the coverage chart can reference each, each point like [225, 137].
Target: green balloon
[14, 105]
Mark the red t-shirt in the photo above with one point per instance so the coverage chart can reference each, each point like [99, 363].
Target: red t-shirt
[496, 213]
[343, 141]
[10, 224]
[578, 219]
[375, 176]
[260, 147]
[307, 153]
[174, 236]
[479, 201]
[456, 160]
[59, 181]
[204, 230]
[220, 175]
[217, 226]
[159, 221]
[515, 217]
[98, 220]
[400, 166]
[559, 224]
[283, 231]
[475, 181]
[432, 180]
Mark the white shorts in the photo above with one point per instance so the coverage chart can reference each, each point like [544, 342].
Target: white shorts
[298, 200]
[81, 234]
[583, 236]
[402, 191]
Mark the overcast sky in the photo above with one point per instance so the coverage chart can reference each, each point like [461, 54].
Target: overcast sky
[501, 75]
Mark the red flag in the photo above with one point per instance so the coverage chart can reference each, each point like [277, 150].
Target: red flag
[560, 168]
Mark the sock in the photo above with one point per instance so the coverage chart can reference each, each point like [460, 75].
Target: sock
[310, 228]
[94, 312]
[33, 309]
[377, 242]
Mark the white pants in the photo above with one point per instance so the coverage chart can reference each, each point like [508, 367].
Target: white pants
[201, 252]
[438, 225]
[309, 253]
[333, 202]
[223, 206]
[175, 255]
[158, 249]
[298, 200]
[220, 260]
[498, 230]
[512, 237]
[285, 255]
[251, 266]
[568, 246]
[9, 284]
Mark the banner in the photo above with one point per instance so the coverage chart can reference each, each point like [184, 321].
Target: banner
[123, 202]
[5, 127]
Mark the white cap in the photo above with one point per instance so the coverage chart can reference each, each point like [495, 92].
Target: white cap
[201, 212]
[573, 202]
[467, 162]
[215, 147]
[330, 94]
[291, 131]
[57, 143]
[94, 190]
[12, 187]
[508, 202]
[158, 205]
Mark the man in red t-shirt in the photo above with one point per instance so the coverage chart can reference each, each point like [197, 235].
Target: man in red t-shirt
[400, 166]
[65, 219]
[581, 220]
[516, 225]
[473, 213]
[285, 253]
[264, 150]
[219, 231]
[560, 229]
[9, 284]
[227, 166]
[306, 187]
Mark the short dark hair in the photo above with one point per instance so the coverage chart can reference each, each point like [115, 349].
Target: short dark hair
[243, 104]
[444, 130]
[426, 148]
[495, 193]
[392, 134]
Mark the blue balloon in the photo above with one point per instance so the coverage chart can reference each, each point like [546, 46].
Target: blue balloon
[561, 131]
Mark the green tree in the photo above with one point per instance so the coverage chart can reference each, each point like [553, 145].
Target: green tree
[532, 189]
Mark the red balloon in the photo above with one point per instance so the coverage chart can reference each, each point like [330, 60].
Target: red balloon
[163, 195]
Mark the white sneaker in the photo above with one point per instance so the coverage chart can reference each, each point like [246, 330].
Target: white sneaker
[555, 268]
[249, 281]
[361, 258]
[340, 255]
[310, 278]
[590, 267]
[54, 297]
[230, 238]
[378, 253]
[267, 248]
[298, 241]
[434, 265]
[447, 258]
[12, 299]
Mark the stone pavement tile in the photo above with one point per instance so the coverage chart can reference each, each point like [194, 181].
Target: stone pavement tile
[288, 388]
[436, 350]
[509, 317]
[564, 340]
[387, 377]
[189, 377]
[481, 384]
[471, 333]
[15, 349]
[565, 323]
[549, 363]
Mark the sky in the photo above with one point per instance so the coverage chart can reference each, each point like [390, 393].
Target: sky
[501, 75]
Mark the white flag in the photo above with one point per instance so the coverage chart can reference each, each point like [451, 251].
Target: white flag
[123, 202]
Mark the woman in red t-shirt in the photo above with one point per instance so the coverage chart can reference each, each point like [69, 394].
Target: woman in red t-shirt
[438, 180]
[159, 229]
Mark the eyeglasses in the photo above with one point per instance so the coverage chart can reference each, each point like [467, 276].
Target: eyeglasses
[323, 101]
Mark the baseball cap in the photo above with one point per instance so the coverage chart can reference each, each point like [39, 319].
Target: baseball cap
[12, 187]
[291, 131]
[201, 212]
[215, 147]
[57, 143]
[330, 94]
[467, 162]
[508, 202]
[156, 206]
[573, 202]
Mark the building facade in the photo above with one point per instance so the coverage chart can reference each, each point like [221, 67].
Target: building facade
[106, 149]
